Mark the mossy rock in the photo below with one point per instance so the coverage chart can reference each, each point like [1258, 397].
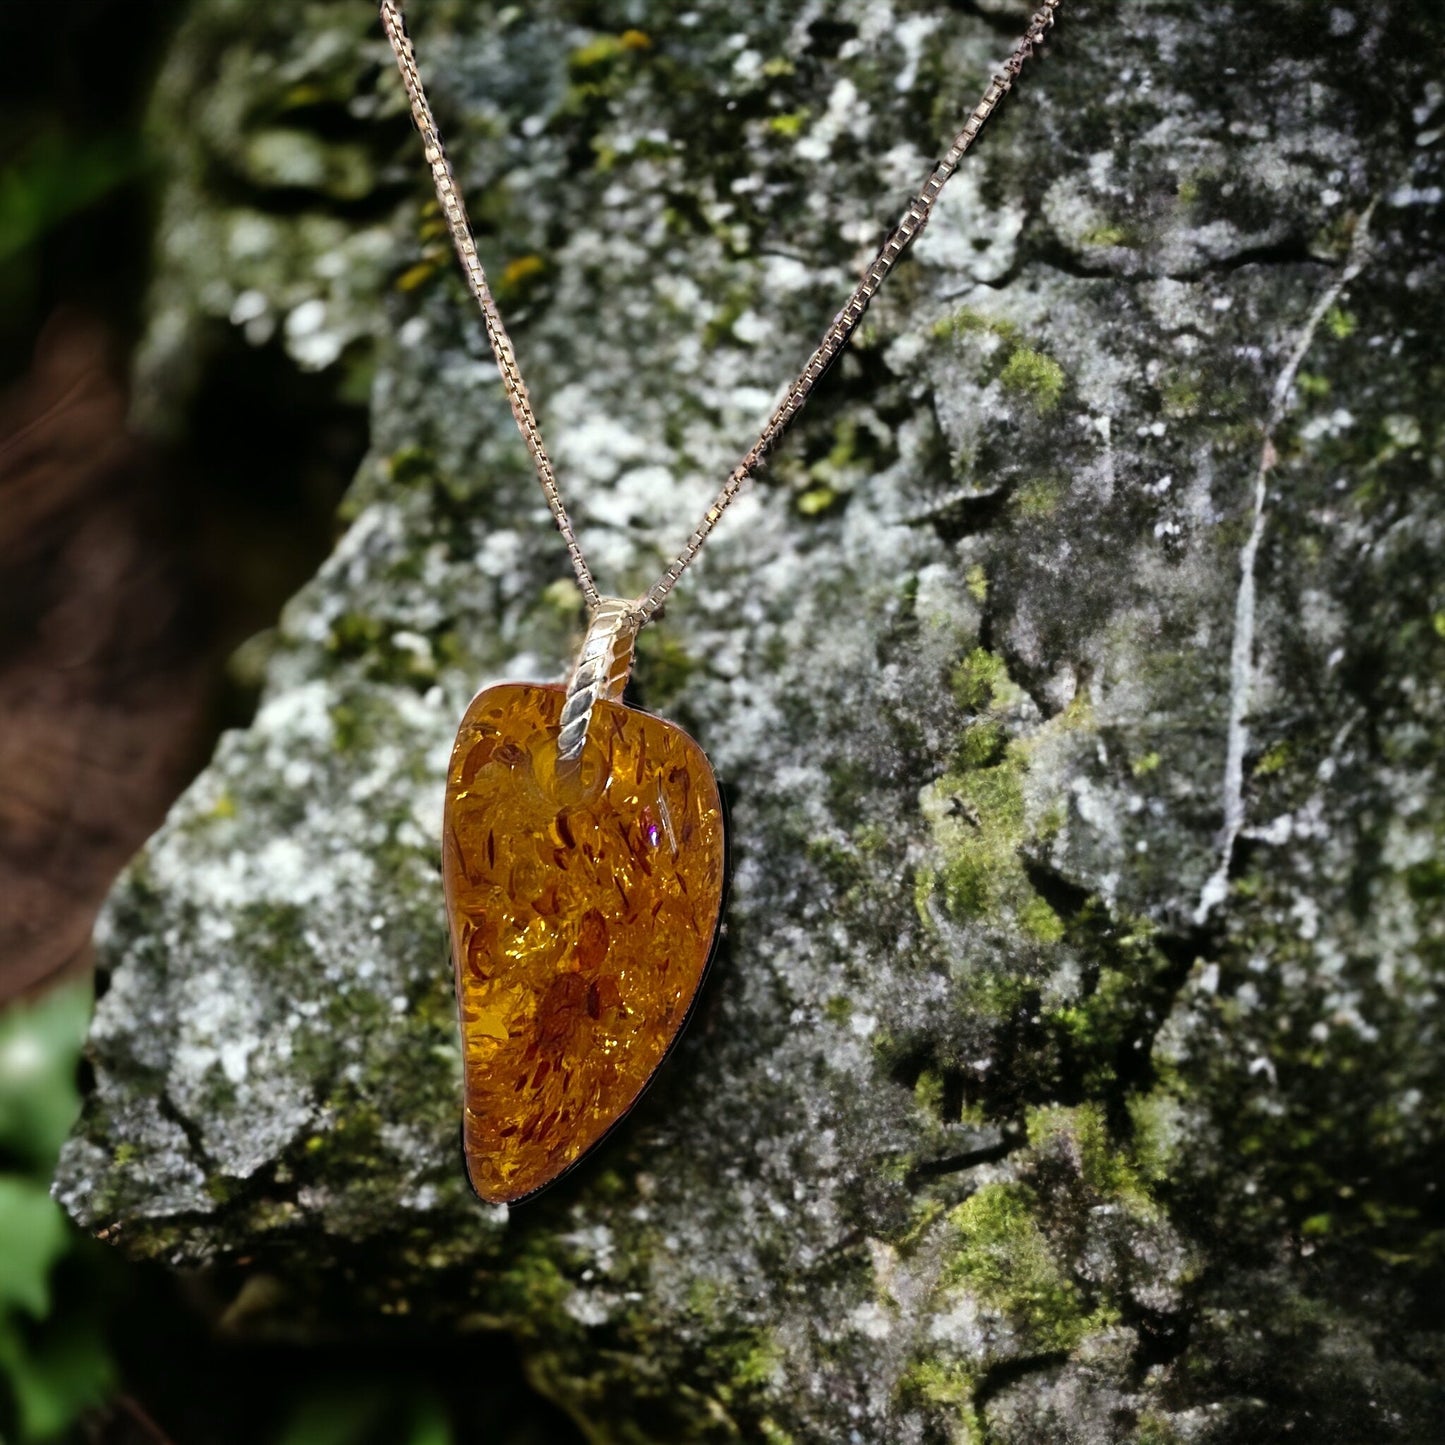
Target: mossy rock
[1073, 1066]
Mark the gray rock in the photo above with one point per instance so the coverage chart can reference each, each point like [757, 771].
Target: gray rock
[1072, 1069]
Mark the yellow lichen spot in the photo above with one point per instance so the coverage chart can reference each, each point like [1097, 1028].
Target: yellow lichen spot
[1341, 323]
[1106, 236]
[817, 500]
[603, 50]
[562, 596]
[976, 580]
[522, 271]
[790, 123]
[415, 276]
[1275, 757]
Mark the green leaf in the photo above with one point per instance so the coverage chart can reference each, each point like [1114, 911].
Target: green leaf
[59, 177]
[333, 1417]
[429, 1424]
[62, 1373]
[33, 1235]
[339, 1415]
[39, 1049]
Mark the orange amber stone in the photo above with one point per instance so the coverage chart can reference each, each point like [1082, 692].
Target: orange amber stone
[583, 908]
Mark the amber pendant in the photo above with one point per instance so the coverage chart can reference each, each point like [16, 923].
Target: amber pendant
[583, 859]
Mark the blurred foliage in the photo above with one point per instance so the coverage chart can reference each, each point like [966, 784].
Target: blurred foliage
[39, 1050]
[54, 1363]
[57, 177]
[76, 175]
[369, 1416]
[65, 1299]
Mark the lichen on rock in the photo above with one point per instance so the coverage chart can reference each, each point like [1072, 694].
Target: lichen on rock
[1074, 676]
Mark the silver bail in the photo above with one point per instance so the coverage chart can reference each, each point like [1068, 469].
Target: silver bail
[600, 673]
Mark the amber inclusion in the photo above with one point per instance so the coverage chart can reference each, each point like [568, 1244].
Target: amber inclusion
[583, 905]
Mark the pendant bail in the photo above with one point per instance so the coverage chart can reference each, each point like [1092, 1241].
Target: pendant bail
[600, 674]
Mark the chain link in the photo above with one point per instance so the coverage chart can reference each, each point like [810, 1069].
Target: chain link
[915, 218]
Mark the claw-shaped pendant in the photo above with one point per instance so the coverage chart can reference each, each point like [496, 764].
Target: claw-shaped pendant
[583, 860]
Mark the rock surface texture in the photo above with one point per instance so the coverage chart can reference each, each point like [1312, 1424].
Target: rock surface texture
[1075, 678]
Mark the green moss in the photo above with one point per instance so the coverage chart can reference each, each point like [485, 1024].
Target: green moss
[978, 679]
[978, 811]
[562, 597]
[719, 326]
[980, 866]
[1342, 323]
[758, 1363]
[1004, 1257]
[928, 1091]
[982, 745]
[1108, 236]
[846, 447]
[1275, 757]
[663, 666]
[1180, 396]
[1039, 921]
[1155, 1429]
[288, 158]
[354, 634]
[1039, 497]
[976, 580]
[925, 884]
[942, 1382]
[1032, 374]
[1158, 1132]
[371, 641]
[816, 501]
[1141, 767]
[412, 464]
[1106, 1165]
[346, 728]
[1425, 881]
[704, 1298]
[969, 885]
[968, 322]
[998, 996]
[533, 1288]
[602, 52]
[1051, 822]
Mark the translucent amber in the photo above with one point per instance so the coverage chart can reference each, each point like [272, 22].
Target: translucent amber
[583, 908]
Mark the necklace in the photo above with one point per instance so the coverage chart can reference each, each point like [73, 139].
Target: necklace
[582, 839]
